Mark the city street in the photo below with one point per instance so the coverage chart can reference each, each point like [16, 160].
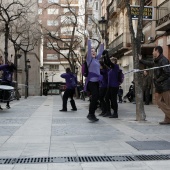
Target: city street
[34, 128]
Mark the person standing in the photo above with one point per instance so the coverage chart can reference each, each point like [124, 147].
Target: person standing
[147, 82]
[161, 81]
[71, 83]
[120, 94]
[113, 87]
[103, 87]
[93, 78]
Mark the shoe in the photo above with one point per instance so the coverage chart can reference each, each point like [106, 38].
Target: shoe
[63, 110]
[114, 116]
[107, 114]
[74, 109]
[101, 114]
[164, 123]
[92, 118]
[8, 106]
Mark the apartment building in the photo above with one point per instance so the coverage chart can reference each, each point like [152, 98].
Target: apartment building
[155, 32]
[93, 16]
[163, 26]
[56, 18]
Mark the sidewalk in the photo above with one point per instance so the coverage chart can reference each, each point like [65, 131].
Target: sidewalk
[35, 128]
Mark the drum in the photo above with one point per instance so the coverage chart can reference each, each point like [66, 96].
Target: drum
[6, 93]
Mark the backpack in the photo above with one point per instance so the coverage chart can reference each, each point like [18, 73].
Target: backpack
[120, 76]
[85, 68]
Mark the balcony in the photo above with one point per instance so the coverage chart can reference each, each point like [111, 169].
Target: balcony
[120, 45]
[163, 16]
[113, 9]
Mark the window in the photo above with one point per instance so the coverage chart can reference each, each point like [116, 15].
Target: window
[39, 11]
[53, 67]
[53, 1]
[52, 57]
[68, 19]
[50, 45]
[89, 21]
[66, 30]
[53, 33]
[52, 23]
[97, 6]
[52, 11]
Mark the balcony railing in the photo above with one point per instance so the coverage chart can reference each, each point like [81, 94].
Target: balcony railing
[163, 16]
[120, 44]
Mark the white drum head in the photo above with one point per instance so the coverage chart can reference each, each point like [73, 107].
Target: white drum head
[4, 87]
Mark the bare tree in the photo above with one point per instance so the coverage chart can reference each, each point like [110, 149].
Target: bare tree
[136, 51]
[65, 37]
[10, 11]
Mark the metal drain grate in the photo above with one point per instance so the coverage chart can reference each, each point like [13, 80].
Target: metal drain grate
[83, 159]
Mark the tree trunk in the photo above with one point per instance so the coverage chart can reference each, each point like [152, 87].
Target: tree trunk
[6, 42]
[140, 112]
[136, 50]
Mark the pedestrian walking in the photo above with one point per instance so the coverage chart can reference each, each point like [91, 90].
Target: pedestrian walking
[71, 83]
[161, 81]
[93, 78]
[147, 82]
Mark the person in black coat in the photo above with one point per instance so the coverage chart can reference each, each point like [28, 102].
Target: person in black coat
[161, 81]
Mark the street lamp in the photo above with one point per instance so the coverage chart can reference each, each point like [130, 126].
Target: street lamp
[45, 88]
[82, 51]
[42, 70]
[53, 74]
[27, 76]
[76, 70]
[102, 26]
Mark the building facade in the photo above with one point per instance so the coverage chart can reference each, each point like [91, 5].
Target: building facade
[57, 18]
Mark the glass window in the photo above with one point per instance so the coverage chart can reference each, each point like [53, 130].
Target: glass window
[53, 67]
[53, 1]
[52, 57]
[52, 11]
[52, 23]
[39, 11]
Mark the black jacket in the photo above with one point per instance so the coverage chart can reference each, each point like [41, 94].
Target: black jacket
[161, 75]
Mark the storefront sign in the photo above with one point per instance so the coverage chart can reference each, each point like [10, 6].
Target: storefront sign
[148, 12]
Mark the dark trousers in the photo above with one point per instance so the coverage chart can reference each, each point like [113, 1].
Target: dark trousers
[120, 98]
[111, 97]
[146, 95]
[102, 94]
[69, 94]
[93, 88]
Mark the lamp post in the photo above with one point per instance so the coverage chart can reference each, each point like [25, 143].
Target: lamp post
[82, 51]
[27, 76]
[53, 74]
[102, 26]
[45, 88]
[42, 70]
